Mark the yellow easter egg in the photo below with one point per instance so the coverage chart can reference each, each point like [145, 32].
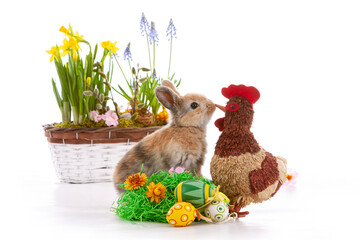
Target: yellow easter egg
[181, 214]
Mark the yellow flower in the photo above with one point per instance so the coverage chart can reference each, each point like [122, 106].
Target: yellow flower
[88, 81]
[106, 44]
[70, 44]
[135, 181]
[78, 37]
[64, 30]
[109, 45]
[53, 52]
[69, 32]
[156, 192]
[163, 115]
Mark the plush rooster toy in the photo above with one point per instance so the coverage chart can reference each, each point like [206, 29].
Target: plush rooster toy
[245, 171]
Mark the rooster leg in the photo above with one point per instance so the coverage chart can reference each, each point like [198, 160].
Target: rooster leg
[237, 211]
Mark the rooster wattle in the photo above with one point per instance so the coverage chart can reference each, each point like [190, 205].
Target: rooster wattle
[245, 171]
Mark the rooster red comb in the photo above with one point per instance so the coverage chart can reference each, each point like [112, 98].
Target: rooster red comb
[249, 93]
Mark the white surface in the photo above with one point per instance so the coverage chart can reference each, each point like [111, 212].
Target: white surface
[51, 210]
[303, 56]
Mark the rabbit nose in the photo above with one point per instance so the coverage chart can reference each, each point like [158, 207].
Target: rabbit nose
[210, 106]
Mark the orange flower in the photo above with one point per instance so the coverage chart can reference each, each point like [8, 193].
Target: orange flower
[163, 115]
[135, 181]
[156, 192]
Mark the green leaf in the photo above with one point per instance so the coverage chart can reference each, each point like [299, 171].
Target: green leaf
[123, 93]
[56, 93]
[95, 51]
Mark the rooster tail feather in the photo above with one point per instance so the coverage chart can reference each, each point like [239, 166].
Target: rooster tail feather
[282, 169]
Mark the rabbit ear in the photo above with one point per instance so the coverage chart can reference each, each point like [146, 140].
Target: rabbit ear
[167, 97]
[167, 83]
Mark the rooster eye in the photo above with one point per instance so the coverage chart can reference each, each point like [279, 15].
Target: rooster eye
[194, 105]
[232, 107]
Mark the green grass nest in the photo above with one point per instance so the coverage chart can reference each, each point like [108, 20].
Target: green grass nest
[133, 205]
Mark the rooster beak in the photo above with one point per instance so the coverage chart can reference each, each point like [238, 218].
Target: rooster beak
[220, 107]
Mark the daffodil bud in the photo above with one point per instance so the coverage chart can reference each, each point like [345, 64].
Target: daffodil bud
[88, 81]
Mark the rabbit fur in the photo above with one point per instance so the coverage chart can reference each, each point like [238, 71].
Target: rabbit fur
[181, 143]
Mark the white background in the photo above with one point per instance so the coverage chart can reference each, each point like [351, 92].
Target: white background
[303, 56]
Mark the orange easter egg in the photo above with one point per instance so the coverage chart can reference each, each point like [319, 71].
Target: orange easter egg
[181, 214]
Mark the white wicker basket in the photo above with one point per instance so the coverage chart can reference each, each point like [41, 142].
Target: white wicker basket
[89, 155]
[87, 163]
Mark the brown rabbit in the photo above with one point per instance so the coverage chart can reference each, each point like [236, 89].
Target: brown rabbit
[181, 143]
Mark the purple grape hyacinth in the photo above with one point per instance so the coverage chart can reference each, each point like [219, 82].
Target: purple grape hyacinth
[127, 53]
[153, 35]
[154, 74]
[144, 24]
[171, 30]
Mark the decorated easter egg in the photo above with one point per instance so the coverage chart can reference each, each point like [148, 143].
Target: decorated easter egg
[181, 214]
[217, 211]
[194, 192]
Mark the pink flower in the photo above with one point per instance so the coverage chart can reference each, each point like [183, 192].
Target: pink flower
[291, 177]
[93, 115]
[100, 117]
[177, 170]
[111, 118]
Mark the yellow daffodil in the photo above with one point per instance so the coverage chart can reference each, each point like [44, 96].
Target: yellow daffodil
[64, 30]
[109, 45]
[77, 36]
[69, 32]
[106, 44]
[70, 44]
[53, 52]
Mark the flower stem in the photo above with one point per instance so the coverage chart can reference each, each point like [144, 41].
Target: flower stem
[66, 112]
[120, 68]
[154, 55]
[170, 57]
[129, 65]
[75, 114]
[131, 79]
[147, 41]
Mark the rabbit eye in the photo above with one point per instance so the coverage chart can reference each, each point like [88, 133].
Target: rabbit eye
[194, 105]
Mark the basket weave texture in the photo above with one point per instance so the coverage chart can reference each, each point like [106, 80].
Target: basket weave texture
[89, 155]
